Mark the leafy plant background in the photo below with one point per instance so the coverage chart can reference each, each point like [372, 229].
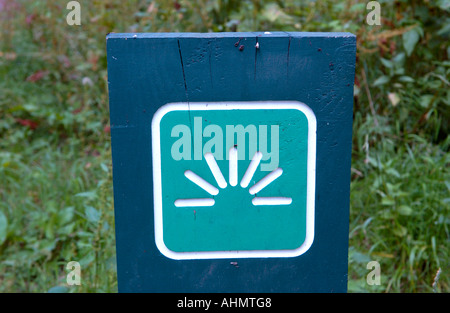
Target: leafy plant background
[55, 161]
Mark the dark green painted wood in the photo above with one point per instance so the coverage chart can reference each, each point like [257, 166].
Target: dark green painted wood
[146, 71]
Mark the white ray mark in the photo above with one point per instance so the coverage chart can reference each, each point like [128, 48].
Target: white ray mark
[215, 170]
[233, 160]
[266, 180]
[251, 169]
[201, 183]
[194, 202]
[271, 201]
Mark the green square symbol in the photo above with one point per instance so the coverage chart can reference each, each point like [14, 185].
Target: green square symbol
[234, 179]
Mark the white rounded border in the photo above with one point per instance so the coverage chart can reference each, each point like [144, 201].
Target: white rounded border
[250, 105]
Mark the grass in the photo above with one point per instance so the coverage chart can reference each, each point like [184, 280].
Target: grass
[58, 206]
[56, 198]
[400, 215]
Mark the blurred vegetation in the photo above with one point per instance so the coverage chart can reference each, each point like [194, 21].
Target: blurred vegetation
[56, 201]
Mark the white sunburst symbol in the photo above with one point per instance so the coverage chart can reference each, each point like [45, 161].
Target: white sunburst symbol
[233, 180]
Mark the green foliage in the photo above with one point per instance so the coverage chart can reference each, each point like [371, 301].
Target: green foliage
[399, 210]
[56, 201]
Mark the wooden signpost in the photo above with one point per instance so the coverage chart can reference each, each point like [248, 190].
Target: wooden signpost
[231, 160]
